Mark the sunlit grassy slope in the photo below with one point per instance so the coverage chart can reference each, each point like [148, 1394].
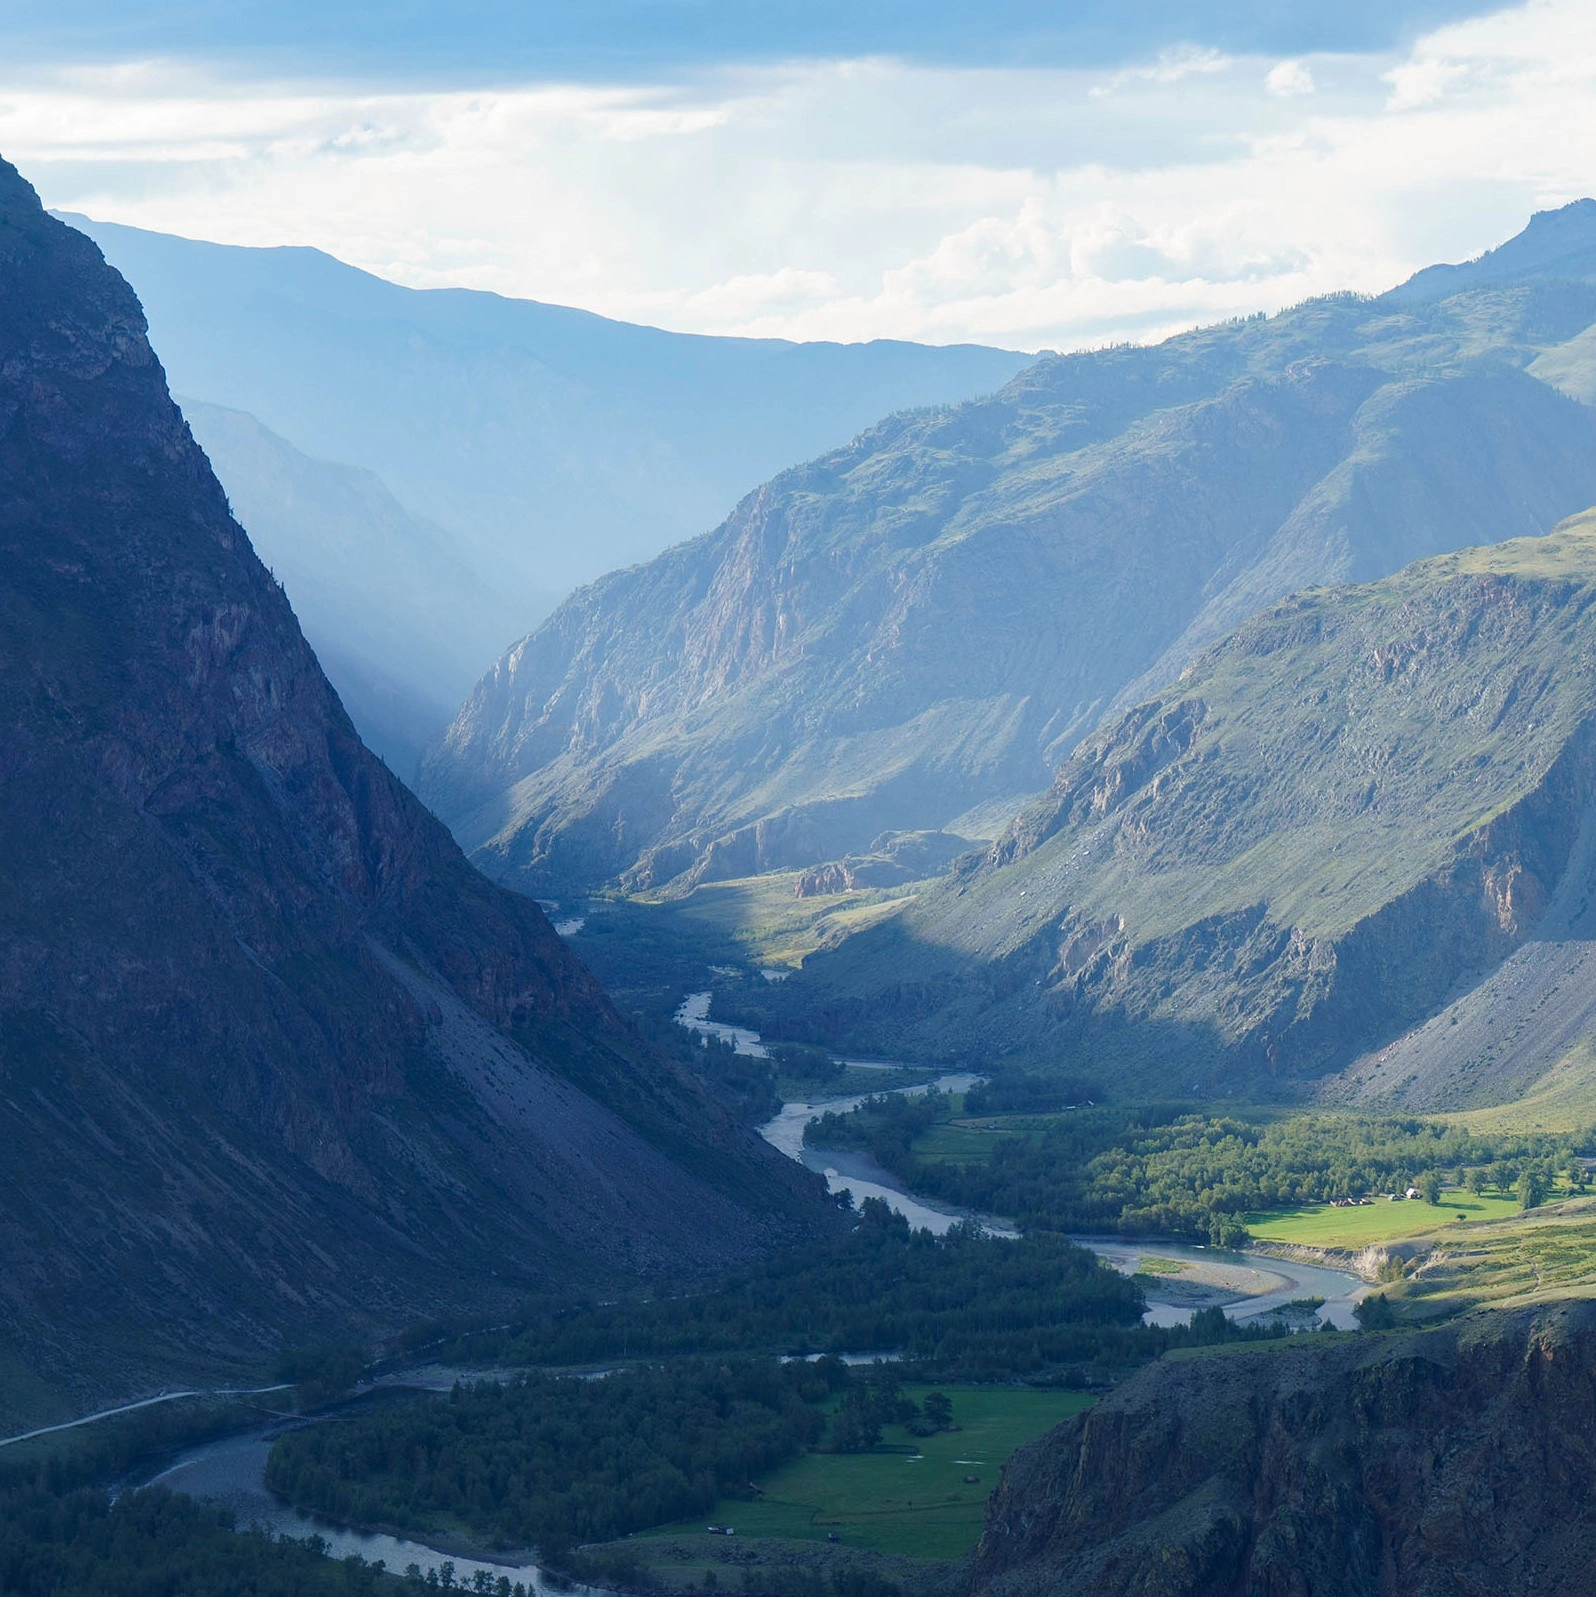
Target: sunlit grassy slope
[767, 921]
[1358, 799]
[1549, 1252]
[1564, 1099]
[1323, 759]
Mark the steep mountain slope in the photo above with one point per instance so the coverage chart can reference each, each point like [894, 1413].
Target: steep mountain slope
[553, 444]
[1344, 814]
[1556, 244]
[1450, 1461]
[400, 623]
[924, 623]
[274, 1060]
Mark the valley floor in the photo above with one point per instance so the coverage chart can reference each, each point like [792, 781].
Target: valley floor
[921, 1497]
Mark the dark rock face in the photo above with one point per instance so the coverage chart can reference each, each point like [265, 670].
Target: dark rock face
[274, 1060]
[924, 624]
[1447, 1463]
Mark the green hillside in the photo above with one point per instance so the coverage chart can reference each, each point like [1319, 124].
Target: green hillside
[908, 635]
[1340, 818]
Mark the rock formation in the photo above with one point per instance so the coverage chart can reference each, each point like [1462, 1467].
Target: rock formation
[275, 1061]
[1453, 1462]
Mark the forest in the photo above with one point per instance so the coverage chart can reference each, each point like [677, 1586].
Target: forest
[550, 1459]
[1164, 1170]
[155, 1544]
[966, 1305]
[62, 1534]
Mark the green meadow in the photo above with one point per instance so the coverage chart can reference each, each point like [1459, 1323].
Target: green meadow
[1317, 1225]
[909, 1495]
[766, 921]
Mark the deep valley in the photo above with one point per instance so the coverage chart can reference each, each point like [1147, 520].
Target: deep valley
[1014, 1017]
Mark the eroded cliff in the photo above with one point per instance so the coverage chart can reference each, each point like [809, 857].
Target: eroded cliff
[1453, 1462]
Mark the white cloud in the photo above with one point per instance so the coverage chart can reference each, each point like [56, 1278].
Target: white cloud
[1422, 82]
[1287, 78]
[866, 198]
[1170, 66]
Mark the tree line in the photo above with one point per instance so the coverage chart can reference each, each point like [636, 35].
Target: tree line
[1162, 1169]
[154, 1544]
[555, 1459]
[965, 1305]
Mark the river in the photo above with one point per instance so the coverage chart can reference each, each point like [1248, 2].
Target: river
[232, 1474]
[1245, 1285]
[859, 1173]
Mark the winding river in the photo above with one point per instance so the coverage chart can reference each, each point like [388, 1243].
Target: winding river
[232, 1472]
[1245, 1285]
[859, 1173]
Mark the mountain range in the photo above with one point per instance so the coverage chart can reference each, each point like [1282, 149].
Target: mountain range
[546, 445]
[275, 1061]
[898, 645]
[1340, 819]
[401, 622]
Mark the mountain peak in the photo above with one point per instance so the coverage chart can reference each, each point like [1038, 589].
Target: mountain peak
[1556, 243]
[16, 192]
[252, 997]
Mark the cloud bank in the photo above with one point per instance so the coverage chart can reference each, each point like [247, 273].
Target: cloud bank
[862, 198]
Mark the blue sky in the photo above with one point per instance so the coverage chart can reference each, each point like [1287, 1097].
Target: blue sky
[619, 39]
[1034, 176]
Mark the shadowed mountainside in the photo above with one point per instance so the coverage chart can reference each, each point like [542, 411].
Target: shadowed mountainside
[399, 620]
[274, 1059]
[1452, 1461]
[1346, 813]
[908, 635]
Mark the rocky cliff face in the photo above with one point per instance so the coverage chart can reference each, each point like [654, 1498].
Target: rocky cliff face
[274, 1059]
[399, 621]
[1357, 805]
[926, 622]
[1446, 1463]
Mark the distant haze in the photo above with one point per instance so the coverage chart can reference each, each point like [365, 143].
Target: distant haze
[509, 450]
[905, 635]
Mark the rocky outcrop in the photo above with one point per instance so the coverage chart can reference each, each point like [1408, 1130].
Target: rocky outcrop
[275, 1061]
[894, 858]
[1453, 1462]
[926, 622]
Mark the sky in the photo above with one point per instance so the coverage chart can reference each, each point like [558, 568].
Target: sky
[1037, 176]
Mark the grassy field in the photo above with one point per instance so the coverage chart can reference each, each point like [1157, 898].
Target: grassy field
[909, 1495]
[1319, 1226]
[971, 1139]
[769, 923]
[959, 1142]
[1545, 1253]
